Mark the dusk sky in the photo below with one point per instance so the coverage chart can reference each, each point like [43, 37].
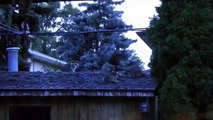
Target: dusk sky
[138, 14]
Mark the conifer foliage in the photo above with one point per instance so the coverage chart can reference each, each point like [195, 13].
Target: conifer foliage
[182, 57]
[94, 49]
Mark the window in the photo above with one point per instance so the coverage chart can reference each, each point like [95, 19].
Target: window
[29, 113]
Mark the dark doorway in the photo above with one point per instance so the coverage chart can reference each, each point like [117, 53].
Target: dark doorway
[29, 113]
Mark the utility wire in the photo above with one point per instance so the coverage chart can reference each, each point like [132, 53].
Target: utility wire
[12, 31]
[72, 33]
[9, 29]
[39, 1]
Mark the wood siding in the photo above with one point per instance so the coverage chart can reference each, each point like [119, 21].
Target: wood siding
[80, 108]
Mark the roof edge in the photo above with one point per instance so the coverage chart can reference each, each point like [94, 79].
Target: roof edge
[97, 93]
[143, 35]
[45, 58]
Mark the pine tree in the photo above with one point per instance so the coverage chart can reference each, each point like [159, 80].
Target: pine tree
[181, 61]
[100, 15]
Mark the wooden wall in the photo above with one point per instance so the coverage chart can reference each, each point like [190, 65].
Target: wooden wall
[81, 108]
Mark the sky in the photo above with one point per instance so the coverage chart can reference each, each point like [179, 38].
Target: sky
[138, 14]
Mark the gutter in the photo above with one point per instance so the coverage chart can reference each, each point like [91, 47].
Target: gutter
[45, 58]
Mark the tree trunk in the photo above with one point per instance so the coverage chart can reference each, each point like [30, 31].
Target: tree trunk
[201, 112]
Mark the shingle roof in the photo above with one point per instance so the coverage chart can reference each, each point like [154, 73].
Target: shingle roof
[71, 84]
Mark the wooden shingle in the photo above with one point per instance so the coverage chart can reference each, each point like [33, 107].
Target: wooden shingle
[72, 84]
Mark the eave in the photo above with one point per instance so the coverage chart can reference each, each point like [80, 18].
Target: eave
[73, 84]
[77, 93]
[143, 36]
[46, 59]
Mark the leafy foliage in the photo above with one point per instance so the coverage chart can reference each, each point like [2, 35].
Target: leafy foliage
[53, 17]
[182, 36]
[25, 20]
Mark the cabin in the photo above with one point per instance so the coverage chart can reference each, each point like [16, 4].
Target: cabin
[75, 96]
[40, 62]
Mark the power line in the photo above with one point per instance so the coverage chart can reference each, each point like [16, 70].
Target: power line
[4, 2]
[9, 29]
[72, 33]
[13, 31]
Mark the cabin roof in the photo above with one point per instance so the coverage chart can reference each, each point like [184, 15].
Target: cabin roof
[72, 84]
